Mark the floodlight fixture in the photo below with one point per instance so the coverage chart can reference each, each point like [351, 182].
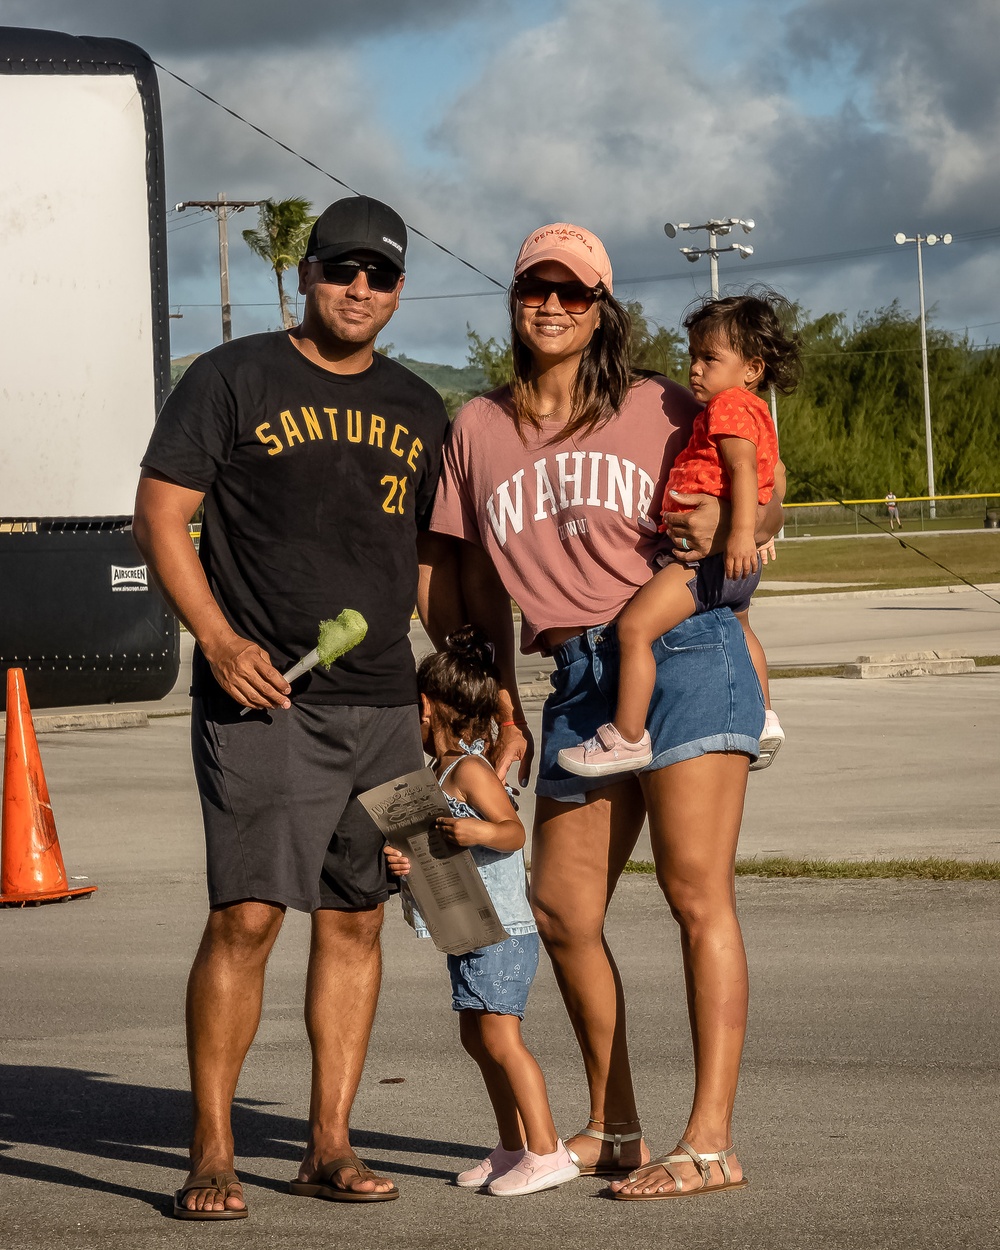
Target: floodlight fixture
[715, 227]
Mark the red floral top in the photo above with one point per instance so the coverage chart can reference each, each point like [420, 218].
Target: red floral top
[734, 413]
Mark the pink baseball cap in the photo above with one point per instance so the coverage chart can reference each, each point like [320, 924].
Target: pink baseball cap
[580, 251]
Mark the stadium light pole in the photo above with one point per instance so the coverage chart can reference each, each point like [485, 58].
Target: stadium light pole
[716, 227]
[930, 240]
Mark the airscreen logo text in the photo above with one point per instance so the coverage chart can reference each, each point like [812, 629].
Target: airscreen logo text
[125, 579]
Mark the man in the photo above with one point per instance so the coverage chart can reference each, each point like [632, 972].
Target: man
[893, 509]
[317, 460]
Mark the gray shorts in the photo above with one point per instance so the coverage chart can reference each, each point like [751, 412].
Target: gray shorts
[278, 794]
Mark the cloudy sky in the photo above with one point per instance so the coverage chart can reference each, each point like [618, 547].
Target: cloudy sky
[832, 123]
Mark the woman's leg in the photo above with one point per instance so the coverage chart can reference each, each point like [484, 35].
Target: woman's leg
[756, 654]
[502, 1100]
[695, 809]
[521, 1087]
[663, 602]
[578, 852]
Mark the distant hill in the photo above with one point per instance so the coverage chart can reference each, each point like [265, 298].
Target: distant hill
[446, 378]
[178, 367]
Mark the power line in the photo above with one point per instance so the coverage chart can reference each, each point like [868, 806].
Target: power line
[907, 546]
[325, 172]
[755, 266]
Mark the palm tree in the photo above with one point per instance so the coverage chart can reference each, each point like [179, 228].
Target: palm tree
[280, 239]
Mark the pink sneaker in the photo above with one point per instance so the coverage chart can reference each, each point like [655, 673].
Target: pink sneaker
[607, 752]
[496, 1163]
[535, 1172]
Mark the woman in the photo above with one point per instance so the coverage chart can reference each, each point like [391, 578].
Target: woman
[554, 486]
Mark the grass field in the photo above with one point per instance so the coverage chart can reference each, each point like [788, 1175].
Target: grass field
[933, 869]
[882, 563]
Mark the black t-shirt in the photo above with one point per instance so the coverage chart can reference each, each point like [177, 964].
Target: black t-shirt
[315, 486]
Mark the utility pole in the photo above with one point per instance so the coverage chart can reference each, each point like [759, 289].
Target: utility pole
[222, 208]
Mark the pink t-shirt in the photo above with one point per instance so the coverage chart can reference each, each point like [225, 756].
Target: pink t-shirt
[570, 526]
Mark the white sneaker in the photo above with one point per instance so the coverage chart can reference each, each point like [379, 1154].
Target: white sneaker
[533, 1173]
[607, 753]
[496, 1163]
[770, 742]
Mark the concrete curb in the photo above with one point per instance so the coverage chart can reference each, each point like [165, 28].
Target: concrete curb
[902, 593]
[68, 722]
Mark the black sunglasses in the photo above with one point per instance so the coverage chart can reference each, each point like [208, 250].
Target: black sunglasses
[381, 278]
[574, 297]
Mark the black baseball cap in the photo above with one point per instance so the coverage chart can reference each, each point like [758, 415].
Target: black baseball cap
[358, 224]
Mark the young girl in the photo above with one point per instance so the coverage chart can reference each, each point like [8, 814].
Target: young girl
[459, 696]
[737, 346]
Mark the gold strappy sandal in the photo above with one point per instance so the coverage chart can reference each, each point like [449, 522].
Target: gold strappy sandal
[614, 1167]
[703, 1162]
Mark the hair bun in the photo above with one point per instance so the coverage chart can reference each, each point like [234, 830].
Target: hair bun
[470, 643]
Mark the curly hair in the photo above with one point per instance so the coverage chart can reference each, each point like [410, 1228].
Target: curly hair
[753, 324]
[602, 380]
[463, 683]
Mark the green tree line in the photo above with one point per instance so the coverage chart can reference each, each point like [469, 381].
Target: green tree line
[855, 426]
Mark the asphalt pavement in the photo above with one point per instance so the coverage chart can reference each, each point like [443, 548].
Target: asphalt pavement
[869, 1096]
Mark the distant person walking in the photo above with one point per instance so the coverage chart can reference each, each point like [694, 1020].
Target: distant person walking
[893, 510]
[317, 461]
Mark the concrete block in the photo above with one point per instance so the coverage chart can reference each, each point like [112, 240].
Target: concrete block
[901, 657]
[909, 667]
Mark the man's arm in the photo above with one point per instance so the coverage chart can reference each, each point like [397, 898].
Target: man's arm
[160, 528]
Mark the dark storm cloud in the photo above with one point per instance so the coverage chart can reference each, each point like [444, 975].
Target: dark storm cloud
[206, 25]
[946, 53]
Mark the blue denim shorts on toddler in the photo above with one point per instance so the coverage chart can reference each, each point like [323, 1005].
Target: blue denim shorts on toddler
[495, 978]
[706, 698]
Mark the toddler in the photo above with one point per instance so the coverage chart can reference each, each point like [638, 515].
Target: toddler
[459, 696]
[737, 346]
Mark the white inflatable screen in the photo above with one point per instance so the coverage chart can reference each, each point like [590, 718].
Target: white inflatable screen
[76, 349]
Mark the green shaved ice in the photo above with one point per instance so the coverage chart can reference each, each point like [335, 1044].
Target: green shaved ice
[337, 637]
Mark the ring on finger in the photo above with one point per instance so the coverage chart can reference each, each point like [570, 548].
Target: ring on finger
[684, 544]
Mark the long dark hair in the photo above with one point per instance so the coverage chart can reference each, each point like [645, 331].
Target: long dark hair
[753, 324]
[602, 380]
[463, 683]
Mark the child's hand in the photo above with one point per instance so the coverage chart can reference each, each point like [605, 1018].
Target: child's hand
[741, 557]
[399, 865]
[767, 553]
[461, 830]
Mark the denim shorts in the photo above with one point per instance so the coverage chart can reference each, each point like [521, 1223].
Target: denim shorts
[495, 978]
[707, 698]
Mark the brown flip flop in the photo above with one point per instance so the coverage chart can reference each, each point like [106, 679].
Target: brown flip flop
[324, 1185]
[216, 1180]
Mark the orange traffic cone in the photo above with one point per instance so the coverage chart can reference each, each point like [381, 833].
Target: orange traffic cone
[32, 869]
